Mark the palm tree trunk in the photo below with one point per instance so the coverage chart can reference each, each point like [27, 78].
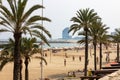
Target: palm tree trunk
[117, 52]
[21, 69]
[100, 55]
[26, 69]
[94, 43]
[16, 70]
[86, 51]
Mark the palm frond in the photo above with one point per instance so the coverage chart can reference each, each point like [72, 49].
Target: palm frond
[4, 62]
[12, 6]
[30, 11]
[21, 8]
[41, 59]
[43, 29]
[4, 30]
[41, 36]
[37, 18]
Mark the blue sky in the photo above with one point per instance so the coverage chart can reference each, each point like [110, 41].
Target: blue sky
[61, 11]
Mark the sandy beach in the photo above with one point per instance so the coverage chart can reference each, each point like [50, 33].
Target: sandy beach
[55, 68]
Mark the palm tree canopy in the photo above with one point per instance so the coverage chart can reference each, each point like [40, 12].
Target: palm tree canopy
[83, 19]
[116, 36]
[18, 20]
[14, 18]
[6, 55]
[97, 30]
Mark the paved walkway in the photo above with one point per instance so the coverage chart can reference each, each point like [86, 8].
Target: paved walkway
[113, 76]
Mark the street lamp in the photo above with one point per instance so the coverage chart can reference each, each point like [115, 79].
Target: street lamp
[41, 63]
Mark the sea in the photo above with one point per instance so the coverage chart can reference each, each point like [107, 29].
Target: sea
[55, 44]
[62, 45]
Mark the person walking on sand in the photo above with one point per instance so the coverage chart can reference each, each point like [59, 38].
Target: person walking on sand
[107, 57]
[64, 62]
[79, 58]
[73, 58]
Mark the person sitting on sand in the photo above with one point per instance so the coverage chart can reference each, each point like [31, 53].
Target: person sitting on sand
[89, 72]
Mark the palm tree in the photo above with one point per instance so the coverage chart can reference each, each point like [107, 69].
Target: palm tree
[116, 39]
[83, 20]
[6, 54]
[27, 49]
[103, 38]
[98, 34]
[8, 50]
[93, 33]
[18, 21]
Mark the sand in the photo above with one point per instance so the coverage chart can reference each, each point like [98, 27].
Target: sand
[55, 68]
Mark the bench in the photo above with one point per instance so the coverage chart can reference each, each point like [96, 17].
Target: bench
[117, 64]
[103, 72]
[111, 67]
[90, 77]
[98, 74]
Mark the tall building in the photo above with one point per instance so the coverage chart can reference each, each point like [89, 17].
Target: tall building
[65, 34]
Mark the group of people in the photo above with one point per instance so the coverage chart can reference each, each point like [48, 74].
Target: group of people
[73, 58]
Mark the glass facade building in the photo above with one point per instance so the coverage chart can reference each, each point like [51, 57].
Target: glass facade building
[65, 34]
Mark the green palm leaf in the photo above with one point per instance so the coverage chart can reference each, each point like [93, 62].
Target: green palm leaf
[29, 12]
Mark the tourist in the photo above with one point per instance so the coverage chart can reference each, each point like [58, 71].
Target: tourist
[64, 62]
[73, 58]
[79, 58]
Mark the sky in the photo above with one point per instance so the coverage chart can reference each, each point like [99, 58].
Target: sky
[61, 11]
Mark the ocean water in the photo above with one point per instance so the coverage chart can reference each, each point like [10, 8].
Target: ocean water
[56, 44]
[62, 45]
